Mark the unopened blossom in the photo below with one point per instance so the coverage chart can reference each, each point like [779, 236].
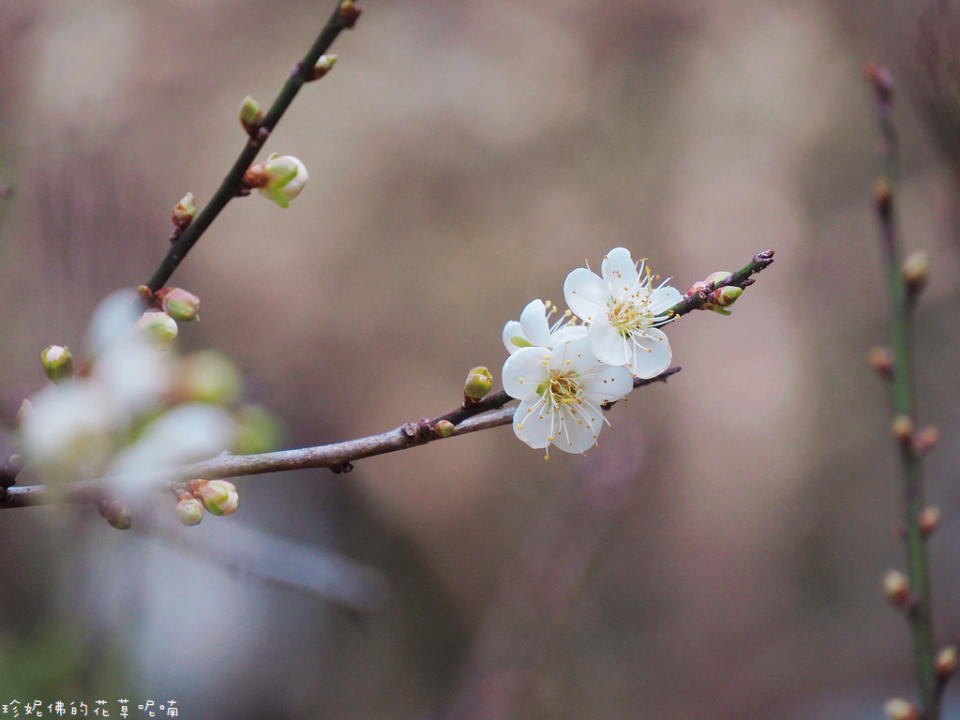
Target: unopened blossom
[623, 311]
[561, 391]
[534, 328]
[285, 177]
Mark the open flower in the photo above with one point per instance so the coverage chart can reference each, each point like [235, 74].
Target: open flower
[534, 329]
[623, 311]
[561, 391]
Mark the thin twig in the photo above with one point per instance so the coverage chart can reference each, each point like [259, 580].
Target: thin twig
[920, 614]
[230, 187]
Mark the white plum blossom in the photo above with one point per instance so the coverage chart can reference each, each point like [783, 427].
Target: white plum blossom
[534, 329]
[623, 310]
[561, 391]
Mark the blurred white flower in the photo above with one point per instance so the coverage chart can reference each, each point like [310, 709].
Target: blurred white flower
[534, 329]
[622, 310]
[561, 391]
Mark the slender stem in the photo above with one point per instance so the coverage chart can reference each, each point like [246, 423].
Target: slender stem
[742, 278]
[230, 187]
[338, 457]
[920, 615]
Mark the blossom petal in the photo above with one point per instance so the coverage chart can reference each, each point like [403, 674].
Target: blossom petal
[568, 332]
[608, 384]
[574, 354]
[608, 344]
[578, 428]
[586, 294]
[652, 354]
[619, 271]
[513, 337]
[533, 320]
[663, 298]
[524, 371]
[532, 422]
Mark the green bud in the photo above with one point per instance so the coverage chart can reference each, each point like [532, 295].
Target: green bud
[115, 513]
[189, 511]
[184, 211]
[257, 431]
[181, 305]
[443, 428]
[478, 383]
[324, 65]
[250, 114]
[285, 176]
[209, 376]
[158, 326]
[219, 496]
[916, 269]
[727, 295]
[57, 362]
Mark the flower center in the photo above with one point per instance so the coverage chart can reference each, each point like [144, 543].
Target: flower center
[562, 388]
[629, 314]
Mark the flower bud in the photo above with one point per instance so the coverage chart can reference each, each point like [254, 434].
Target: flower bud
[257, 431]
[189, 510]
[184, 211]
[115, 513]
[896, 588]
[726, 295]
[158, 326]
[280, 178]
[916, 269]
[946, 661]
[324, 65]
[209, 376]
[929, 520]
[181, 305]
[881, 360]
[902, 429]
[57, 362]
[925, 440]
[900, 709]
[478, 383]
[219, 496]
[882, 196]
[250, 114]
[349, 13]
[443, 428]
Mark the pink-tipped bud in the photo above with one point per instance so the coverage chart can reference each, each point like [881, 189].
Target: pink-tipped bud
[477, 385]
[116, 514]
[324, 65]
[158, 326]
[916, 270]
[881, 360]
[882, 196]
[925, 440]
[219, 496]
[184, 211]
[946, 661]
[349, 12]
[181, 305]
[57, 362]
[189, 510]
[900, 709]
[726, 295]
[929, 520]
[250, 114]
[902, 429]
[896, 588]
[443, 428]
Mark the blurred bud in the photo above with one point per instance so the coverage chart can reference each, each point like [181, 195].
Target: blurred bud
[946, 661]
[115, 513]
[324, 65]
[902, 429]
[280, 178]
[478, 383]
[189, 510]
[929, 520]
[57, 362]
[209, 376]
[443, 428]
[250, 115]
[258, 431]
[882, 196]
[349, 13]
[896, 588]
[900, 709]
[181, 305]
[184, 211]
[25, 411]
[717, 276]
[726, 295]
[158, 326]
[219, 496]
[916, 270]
[881, 360]
[926, 439]
[881, 79]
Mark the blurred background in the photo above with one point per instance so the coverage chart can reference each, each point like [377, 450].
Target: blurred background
[719, 555]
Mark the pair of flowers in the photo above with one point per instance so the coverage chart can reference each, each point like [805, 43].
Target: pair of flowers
[564, 373]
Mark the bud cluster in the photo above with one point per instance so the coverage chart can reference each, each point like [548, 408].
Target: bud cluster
[719, 297]
[217, 497]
